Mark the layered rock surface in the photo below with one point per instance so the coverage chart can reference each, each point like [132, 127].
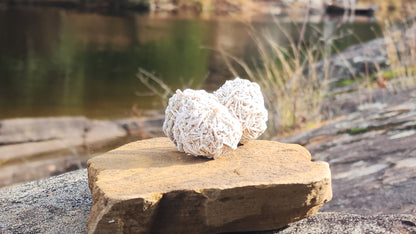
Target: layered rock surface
[372, 155]
[61, 204]
[148, 186]
[33, 148]
[333, 222]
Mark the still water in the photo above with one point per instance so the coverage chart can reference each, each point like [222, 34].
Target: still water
[55, 62]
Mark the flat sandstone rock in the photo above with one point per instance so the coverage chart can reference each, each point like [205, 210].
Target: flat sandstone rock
[148, 186]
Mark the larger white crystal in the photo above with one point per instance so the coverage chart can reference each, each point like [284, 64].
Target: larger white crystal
[244, 100]
[199, 125]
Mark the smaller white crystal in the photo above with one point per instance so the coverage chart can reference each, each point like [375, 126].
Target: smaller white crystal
[199, 125]
[244, 100]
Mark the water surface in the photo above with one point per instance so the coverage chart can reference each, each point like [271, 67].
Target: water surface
[55, 62]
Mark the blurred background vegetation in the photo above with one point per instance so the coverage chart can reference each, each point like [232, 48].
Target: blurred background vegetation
[113, 59]
[83, 61]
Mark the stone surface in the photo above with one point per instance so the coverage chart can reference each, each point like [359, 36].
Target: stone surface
[56, 205]
[14, 131]
[100, 132]
[148, 186]
[372, 155]
[355, 61]
[22, 152]
[356, 75]
[367, 58]
[61, 204]
[144, 127]
[25, 130]
[332, 222]
[35, 148]
[373, 146]
[16, 173]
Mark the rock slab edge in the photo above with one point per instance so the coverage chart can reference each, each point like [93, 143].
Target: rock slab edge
[240, 208]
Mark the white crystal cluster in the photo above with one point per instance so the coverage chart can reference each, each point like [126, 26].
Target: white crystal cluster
[199, 125]
[211, 125]
[245, 102]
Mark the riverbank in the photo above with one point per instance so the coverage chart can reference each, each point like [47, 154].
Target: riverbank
[226, 7]
[35, 148]
[369, 138]
[371, 153]
[368, 142]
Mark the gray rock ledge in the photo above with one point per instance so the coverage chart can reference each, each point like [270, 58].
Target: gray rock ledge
[61, 204]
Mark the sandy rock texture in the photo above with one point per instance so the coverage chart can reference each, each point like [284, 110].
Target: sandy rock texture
[61, 204]
[148, 186]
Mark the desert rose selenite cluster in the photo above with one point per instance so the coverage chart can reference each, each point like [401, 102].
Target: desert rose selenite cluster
[211, 125]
